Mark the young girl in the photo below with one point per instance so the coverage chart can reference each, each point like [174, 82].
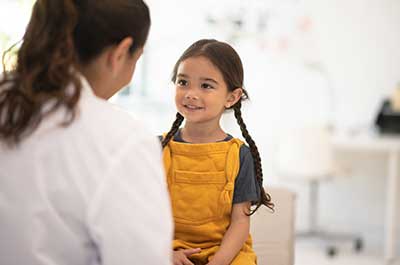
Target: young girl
[213, 178]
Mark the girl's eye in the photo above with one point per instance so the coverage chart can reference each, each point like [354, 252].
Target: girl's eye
[206, 86]
[181, 82]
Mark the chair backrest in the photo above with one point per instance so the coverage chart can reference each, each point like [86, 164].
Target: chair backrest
[305, 153]
[273, 233]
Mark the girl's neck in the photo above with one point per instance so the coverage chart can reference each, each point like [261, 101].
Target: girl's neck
[200, 134]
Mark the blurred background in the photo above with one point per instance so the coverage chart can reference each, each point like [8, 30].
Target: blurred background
[308, 63]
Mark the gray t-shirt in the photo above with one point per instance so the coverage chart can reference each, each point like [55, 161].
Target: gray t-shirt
[246, 188]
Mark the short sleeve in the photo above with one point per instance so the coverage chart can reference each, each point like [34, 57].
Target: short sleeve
[130, 217]
[246, 188]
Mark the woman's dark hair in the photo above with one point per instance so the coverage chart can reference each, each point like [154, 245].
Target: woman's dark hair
[225, 58]
[60, 35]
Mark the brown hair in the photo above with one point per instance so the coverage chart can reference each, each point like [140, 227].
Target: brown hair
[226, 59]
[61, 34]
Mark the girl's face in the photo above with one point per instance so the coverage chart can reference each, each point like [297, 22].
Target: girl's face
[201, 92]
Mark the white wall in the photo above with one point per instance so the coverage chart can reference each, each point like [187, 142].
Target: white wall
[359, 43]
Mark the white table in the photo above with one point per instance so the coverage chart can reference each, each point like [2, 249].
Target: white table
[390, 145]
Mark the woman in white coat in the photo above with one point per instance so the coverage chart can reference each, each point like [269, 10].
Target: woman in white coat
[81, 182]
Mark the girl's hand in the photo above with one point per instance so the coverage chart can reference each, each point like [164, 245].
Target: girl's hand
[180, 257]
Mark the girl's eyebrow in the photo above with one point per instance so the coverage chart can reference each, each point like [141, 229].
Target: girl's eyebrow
[209, 79]
[183, 75]
[201, 78]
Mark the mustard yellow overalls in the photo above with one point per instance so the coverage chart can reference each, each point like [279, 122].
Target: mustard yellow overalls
[201, 180]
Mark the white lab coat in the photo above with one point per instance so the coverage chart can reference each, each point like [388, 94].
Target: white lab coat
[90, 193]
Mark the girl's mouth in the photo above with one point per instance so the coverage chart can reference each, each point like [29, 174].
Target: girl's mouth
[192, 107]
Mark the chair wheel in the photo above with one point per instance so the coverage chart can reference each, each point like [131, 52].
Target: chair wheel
[358, 245]
[331, 252]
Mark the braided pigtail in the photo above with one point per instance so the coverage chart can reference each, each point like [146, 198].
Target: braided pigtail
[175, 126]
[265, 198]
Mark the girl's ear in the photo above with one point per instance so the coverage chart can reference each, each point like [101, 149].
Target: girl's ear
[117, 54]
[233, 97]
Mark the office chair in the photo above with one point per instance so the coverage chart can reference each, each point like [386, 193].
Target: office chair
[307, 154]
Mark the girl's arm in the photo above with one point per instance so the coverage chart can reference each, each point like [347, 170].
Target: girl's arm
[235, 236]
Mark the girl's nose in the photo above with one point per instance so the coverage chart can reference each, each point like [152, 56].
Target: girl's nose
[192, 96]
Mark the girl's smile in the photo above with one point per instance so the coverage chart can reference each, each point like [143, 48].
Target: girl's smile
[191, 107]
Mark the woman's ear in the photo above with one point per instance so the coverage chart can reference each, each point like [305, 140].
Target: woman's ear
[233, 97]
[117, 54]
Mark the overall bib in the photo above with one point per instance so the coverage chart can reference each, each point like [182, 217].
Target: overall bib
[201, 179]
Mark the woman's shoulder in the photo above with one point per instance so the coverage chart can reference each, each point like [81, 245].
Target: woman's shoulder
[106, 115]
[114, 121]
